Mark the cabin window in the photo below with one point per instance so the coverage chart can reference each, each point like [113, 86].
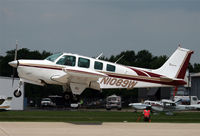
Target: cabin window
[67, 60]
[82, 62]
[110, 68]
[98, 65]
[53, 57]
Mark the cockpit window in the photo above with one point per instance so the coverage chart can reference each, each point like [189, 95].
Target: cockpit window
[53, 57]
[67, 60]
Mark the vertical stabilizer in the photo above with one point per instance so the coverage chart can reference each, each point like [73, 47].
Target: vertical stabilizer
[176, 65]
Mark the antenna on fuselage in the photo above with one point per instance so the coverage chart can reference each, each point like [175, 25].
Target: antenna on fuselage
[119, 58]
[99, 55]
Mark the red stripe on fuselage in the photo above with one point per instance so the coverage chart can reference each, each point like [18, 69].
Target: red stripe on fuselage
[144, 73]
[173, 83]
[55, 68]
[140, 73]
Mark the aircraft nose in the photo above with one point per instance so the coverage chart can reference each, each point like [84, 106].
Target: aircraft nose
[13, 63]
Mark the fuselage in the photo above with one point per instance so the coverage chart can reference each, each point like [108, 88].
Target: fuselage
[56, 70]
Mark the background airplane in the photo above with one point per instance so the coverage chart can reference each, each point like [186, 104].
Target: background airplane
[167, 106]
[142, 106]
[75, 73]
[5, 103]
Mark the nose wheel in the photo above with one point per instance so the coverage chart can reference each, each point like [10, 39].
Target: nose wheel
[17, 93]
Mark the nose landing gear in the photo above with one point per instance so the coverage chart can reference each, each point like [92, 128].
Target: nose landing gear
[17, 93]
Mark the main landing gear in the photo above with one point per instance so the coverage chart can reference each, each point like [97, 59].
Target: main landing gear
[68, 96]
[17, 93]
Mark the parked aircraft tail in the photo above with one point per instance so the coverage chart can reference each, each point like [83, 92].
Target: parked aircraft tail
[176, 65]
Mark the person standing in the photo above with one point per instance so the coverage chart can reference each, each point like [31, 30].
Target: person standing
[146, 114]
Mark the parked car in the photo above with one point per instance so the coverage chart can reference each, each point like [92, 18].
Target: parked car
[47, 102]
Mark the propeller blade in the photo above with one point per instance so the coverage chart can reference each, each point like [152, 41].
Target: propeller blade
[13, 77]
[15, 58]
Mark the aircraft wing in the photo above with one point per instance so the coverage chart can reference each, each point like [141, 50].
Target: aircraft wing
[86, 73]
[79, 79]
[63, 79]
[139, 106]
[77, 75]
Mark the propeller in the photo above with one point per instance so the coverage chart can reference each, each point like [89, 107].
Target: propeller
[13, 64]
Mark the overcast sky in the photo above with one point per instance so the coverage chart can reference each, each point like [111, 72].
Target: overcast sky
[89, 27]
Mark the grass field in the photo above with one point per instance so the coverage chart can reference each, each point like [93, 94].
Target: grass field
[95, 116]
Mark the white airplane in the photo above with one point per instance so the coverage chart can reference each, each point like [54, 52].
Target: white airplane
[169, 106]
[5, 103]
[142, 106]
[76, 73]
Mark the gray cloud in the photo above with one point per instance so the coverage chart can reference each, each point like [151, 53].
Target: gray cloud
[90, 27]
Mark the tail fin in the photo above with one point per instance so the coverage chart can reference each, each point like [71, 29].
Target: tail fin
[176, 65]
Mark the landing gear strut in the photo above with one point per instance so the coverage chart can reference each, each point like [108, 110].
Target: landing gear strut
[67, 96]
[17, 93]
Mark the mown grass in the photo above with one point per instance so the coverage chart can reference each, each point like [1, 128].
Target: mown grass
[95, 116]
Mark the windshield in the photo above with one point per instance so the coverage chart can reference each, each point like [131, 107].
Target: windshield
[46, 99]
[67, 60]
[53, 57]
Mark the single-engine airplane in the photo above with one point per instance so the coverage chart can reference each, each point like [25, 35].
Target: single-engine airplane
[75, 73]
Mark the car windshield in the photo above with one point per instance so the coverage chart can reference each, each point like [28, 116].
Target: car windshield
[53, 57]
[46, 99]
[112, 99]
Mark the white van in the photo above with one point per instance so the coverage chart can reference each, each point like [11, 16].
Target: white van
[113, 101]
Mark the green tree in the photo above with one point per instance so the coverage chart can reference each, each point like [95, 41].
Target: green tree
[157, 62]
[196, 68]
[143, 59]
[127, 58]
[24, 53]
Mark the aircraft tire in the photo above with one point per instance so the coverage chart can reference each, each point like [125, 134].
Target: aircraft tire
[67, 96]
[17, 93]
